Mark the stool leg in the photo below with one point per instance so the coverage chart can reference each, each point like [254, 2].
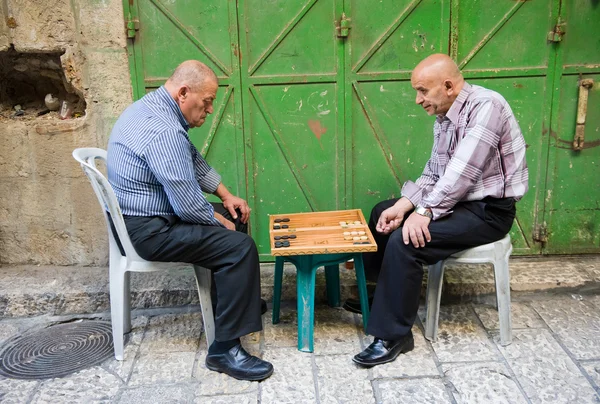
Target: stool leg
[361, 281]
[332, 279]
[305, 287]
[278, 279]
[502, 275]
[435, 280]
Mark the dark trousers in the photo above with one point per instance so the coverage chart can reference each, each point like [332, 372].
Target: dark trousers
[398, 268]
[230, 255]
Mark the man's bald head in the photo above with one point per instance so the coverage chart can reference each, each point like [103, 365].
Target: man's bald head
[191, 73]
[438, 82]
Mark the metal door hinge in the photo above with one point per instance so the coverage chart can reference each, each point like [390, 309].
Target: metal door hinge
[540, 233]
[342, 28]
[132, 25]
[559, 30]
[582, 104]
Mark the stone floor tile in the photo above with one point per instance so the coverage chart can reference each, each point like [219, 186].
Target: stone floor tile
[522, 316]
[545, 371]
[123, 368]
[173, 333]
[158, 395]
[460, 336]
[162, 368]
[341, 381]
[7, 331]
[335, 332]
[283, 334]
[413, 391]
[576, 322]
[89, 385]
[15, 390]
[214, 383]
[593, 371]
[530, 275]
[483, 383]
[292, 381]
[234, 399]
[418, 362]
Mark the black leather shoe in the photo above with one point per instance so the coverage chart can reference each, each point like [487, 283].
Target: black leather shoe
[263, 306]
[239, 364]
[353, 305]
[382, 351]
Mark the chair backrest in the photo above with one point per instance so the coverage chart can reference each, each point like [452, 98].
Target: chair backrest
[106, 197]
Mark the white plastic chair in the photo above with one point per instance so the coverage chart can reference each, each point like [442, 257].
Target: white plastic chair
[496, 253]
[120, 266]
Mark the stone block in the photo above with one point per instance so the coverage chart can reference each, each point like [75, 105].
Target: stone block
[426, 390]
[483, 383]
[283, 334]
[522, 315]
[336, 331]
[292, 380]
[576, 322]
[5, 39]
[340, 380]
[133, 340]
[102, 23]
[158, 394]
[460, 336]
[15, 152]
[89, 385]
[216, 384]
[173, 333]
[545, 371]
[15, 391]
[237, 399]
[153, 368]
[40, 27]
[593, 370]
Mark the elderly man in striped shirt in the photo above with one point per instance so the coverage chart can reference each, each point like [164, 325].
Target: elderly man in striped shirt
[464, 198]
[160, 179]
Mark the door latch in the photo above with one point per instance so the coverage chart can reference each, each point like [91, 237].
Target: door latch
[132, 25]
[343, 26]
[557, 33]
[584, 89]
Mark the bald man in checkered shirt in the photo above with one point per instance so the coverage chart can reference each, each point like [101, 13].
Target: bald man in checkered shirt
[465, 197]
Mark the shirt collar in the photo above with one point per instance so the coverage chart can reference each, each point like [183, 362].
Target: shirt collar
[458, 103]
[163, 94]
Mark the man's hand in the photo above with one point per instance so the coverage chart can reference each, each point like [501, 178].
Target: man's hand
[232, 202]
[416, 230]
[229, 225]
[391, 218]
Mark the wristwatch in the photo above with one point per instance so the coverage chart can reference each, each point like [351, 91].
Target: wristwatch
[424, 211]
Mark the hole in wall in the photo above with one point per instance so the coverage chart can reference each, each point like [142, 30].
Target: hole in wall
[26, 79]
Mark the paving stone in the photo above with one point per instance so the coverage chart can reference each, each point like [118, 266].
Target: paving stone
[7, 331]
[173, 333]
[418, 362]
[460, 336]
[214, 383]
[341, 381]
[15, 390]
[123, 368]
[482, 383]
[292, 381]
[236, 399]
[593, 370]
[545, 371]
[162, 368]
[534, 274]
[89, 385]
[158, 394]
[576, 322]
[522, 316]
[413, 391]
[335, 332]
[283, 334]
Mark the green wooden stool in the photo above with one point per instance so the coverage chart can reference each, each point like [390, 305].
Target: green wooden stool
[306, 270]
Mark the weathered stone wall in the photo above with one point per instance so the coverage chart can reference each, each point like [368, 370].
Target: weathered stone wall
[48, 212]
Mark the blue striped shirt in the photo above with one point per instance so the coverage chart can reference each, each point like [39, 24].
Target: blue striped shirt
[153, 167]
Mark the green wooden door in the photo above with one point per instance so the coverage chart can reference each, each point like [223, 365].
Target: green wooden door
[170, 32]
[573, 188]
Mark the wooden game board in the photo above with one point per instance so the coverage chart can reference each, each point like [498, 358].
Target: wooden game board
[321, 233]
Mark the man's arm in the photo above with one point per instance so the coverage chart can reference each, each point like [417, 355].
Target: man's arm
[414, 191]
[170, 159]
[482, 137]
[232, 202]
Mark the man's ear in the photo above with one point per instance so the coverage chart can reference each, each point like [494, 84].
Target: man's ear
[182, 93]
[449, 86]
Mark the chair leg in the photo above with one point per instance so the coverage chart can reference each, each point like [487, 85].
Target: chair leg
[127, 303]
[361, 281]
[203, 280]
[332, 279]
[502, 275]
[305, 289]
[117, 297]
[278, 279]
[434, 293]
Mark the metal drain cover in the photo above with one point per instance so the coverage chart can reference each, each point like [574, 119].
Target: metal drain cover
[57, 351]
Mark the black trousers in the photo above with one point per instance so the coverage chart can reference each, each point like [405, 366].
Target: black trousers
[398, 268]
[230, 255]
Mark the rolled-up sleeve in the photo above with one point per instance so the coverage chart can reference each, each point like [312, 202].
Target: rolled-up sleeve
[170, 160]
[208, 178]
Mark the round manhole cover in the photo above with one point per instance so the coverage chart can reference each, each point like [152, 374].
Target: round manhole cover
[57, 351]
